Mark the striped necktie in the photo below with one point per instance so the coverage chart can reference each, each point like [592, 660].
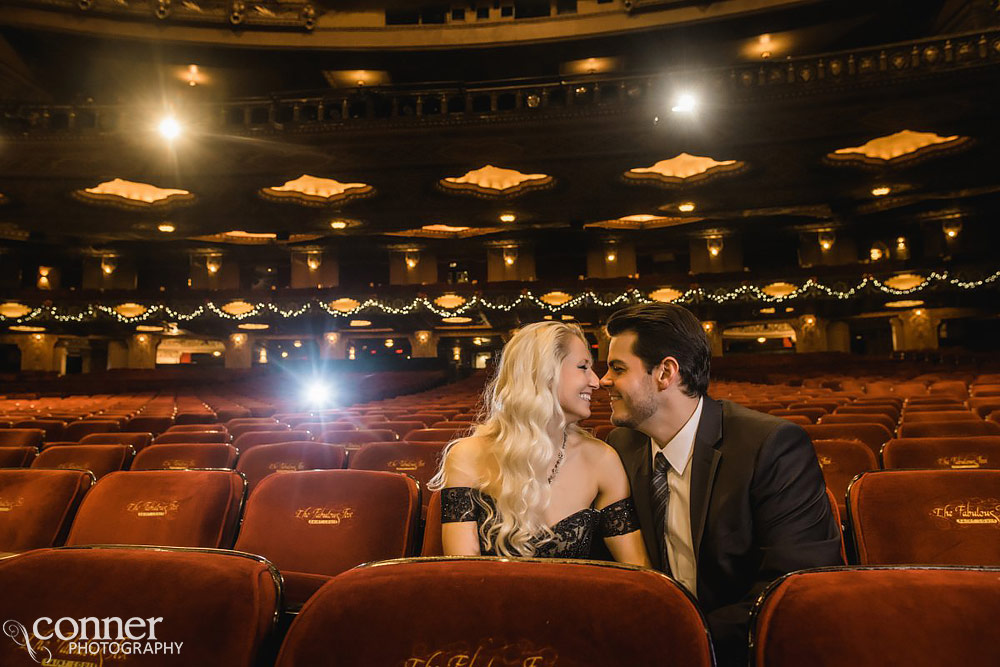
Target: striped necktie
[661, 498]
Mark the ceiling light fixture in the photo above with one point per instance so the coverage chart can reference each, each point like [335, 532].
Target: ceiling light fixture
[166, 227]
[881, 191]
[338, 224]
[826, 239]
[507, 217]
[714, 245]
[686, 207]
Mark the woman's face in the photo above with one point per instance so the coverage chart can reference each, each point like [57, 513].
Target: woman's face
[577, 382]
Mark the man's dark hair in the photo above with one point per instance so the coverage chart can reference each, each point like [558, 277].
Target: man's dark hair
[667, 330]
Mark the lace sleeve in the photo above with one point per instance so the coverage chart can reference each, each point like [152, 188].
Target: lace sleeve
[619, 518]
[457, 505]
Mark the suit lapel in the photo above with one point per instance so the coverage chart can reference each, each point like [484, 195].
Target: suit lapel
[639, 469]
[704, 463]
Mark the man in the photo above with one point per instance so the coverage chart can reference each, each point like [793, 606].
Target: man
[729, 499]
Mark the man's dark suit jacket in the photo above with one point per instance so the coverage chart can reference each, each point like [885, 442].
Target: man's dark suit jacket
[759, 510]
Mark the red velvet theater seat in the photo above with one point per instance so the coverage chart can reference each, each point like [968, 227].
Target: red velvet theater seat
[77, 430]
[435, 434]
[21, 437]
[317, 523]
[196, 428]
[221, 606]
[154, 424]
[944, 416]
[188, 437]
[926, 517]
[236, 430]
[873, 617]
[37, 507]
[53, 428]
[873, 435]
[178, 508]
[887, 409]
[811, 414]
[257, 438]
[400, 428]
[855, 418]
[432, 545]
[136, 440]
[958, 453]
[263, 460]
[941, 429]
[842, 461]
[182, 456]
[98, 459]
[494, 612]
[419, 460]
[356, 437]
[17, 457]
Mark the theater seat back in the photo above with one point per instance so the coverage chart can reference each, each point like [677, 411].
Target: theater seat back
[37, 506]
[181, 508]
[220, 607]
[523, 612]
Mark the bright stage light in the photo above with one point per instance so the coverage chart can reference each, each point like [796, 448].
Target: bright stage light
[317, 393]
[170, 128]
[685, 103]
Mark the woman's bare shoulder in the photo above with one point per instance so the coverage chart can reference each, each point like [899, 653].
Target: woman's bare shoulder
[596, 450]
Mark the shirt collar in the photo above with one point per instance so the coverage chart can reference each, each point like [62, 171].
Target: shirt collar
[678, 451]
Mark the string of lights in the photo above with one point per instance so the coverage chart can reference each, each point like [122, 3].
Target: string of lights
[552, 302]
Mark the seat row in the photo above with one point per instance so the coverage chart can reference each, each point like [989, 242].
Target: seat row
[197, 608]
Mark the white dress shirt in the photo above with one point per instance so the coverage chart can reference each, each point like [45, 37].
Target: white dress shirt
[680, 544]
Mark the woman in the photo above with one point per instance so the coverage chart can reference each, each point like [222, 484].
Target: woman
[529, 481]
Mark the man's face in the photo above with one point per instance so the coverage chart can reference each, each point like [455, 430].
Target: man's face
[632, 389]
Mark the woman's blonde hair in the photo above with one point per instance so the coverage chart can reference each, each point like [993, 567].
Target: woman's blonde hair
[521, 401]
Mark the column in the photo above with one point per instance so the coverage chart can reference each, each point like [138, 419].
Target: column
[333, 345]
[38, 352]
[810, 334]
[142, 351]
[423, 344]
[239, 351]
[714, 335]
[915, 329]
[603, 343]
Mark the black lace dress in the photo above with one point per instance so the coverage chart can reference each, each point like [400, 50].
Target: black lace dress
[574, 535]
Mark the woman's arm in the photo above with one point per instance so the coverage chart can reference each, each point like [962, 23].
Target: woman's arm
[460, 538]
[620, 526]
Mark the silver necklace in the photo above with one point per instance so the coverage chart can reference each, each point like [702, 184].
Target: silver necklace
[559, 459]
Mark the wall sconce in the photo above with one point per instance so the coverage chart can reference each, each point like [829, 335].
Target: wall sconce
[611, 253]
[314, 260]
[412, 258]
[826, 239]
[878, 252]
[142, 338]
[707, 326]
[332, 338]
[809, 320]
[902, 248]
[509, 256]
[423, 337]
[213, 263]
[108, 264]
[714, 245]
[456, 353]
[37, 337]
[389, 343]
[43, 277]
[239, 339]
[351, 353]
[262, 356]
[951, 228]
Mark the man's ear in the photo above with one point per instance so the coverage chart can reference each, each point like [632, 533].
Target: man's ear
[666, 373]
